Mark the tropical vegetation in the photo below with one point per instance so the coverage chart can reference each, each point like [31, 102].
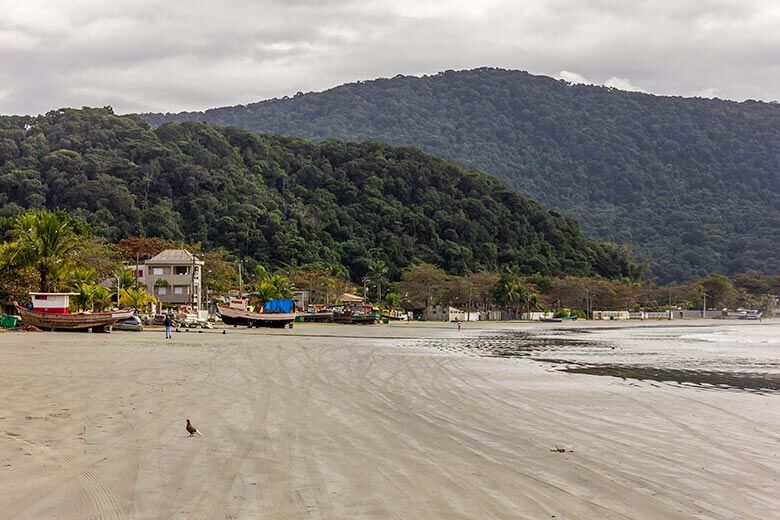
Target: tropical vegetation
[368, 209]
[691, 184]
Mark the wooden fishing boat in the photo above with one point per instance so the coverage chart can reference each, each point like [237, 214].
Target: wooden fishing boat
[355, 318]
[97, 321]
[237, 317]
[551, 320]
[317, 317]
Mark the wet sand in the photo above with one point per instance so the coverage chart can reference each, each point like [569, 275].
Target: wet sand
[328, 421]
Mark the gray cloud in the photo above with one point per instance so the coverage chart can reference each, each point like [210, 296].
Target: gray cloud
[140, 55]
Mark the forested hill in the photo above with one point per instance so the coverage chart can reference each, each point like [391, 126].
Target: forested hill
[283, 200]
[692, 184]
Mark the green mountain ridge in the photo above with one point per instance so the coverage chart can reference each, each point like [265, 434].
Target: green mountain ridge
[286, 201]
[692, 184]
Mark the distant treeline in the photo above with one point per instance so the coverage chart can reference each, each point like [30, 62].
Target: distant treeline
[54, 251]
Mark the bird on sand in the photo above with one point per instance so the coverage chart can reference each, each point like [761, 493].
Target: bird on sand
[191, 429]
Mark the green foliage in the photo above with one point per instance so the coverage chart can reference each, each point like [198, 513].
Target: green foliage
[393, 301]
[137, 299]
[582, 293]
[517, 292]
[80, 275]
[691, 184]
[102, 298]
[282, 285]
[325, 283]
[265, 291]
[423, 284]
[719, 291]
[285, 202]
[91, 297]
[84, 299]
[123, 279]
[377, 275]
[220, 274]
[46, 242]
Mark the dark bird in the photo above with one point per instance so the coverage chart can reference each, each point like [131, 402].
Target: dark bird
[191, 429]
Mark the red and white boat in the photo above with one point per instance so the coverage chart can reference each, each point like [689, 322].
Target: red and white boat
[50, 312]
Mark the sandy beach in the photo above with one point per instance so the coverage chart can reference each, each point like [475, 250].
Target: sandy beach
[328, 421]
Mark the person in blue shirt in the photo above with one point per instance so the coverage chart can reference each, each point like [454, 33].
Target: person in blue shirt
[168, 322]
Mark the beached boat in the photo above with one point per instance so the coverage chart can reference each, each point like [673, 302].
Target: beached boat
[355, 318]
[317, 317]
[97, 321]
[551, 320]
[237, 317]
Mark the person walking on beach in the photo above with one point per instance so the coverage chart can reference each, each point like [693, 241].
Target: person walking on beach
[168, 322]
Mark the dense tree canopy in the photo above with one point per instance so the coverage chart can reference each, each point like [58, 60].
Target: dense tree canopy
[691, 184]
[283, 201]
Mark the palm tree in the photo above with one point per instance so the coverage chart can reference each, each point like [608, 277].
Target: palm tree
[266, 291]
[85, 299]
[393, 301]
[122, 280]
[261, 275]
[102, 298]
[44, 241]
[377, 271]
[282, 285]
[516, 292]
[81, 275]
[136, 299]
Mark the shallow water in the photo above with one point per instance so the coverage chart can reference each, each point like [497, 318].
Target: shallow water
[729, 356]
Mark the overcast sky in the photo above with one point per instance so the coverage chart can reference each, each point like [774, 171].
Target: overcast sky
[144, 55]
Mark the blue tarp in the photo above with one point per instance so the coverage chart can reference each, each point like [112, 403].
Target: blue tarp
[279, 306]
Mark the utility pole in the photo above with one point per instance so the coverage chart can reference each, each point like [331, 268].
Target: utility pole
[240, 281]
[704, 304]
[587, 304]
[670, 304]
[193, 301]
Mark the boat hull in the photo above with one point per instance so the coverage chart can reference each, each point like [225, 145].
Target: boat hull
[237, 317]
[355, 319]
[317, 317]
[97, 321]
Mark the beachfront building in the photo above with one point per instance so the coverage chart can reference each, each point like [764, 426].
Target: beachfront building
[174, 277]
[444, 313]
[610, 315]
[302, 298]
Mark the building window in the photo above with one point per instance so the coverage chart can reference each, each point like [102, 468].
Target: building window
[180, 269]
[157, 271]
[162, 291]
[178, 290]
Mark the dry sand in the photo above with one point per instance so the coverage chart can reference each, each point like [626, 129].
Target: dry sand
[333, 422]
